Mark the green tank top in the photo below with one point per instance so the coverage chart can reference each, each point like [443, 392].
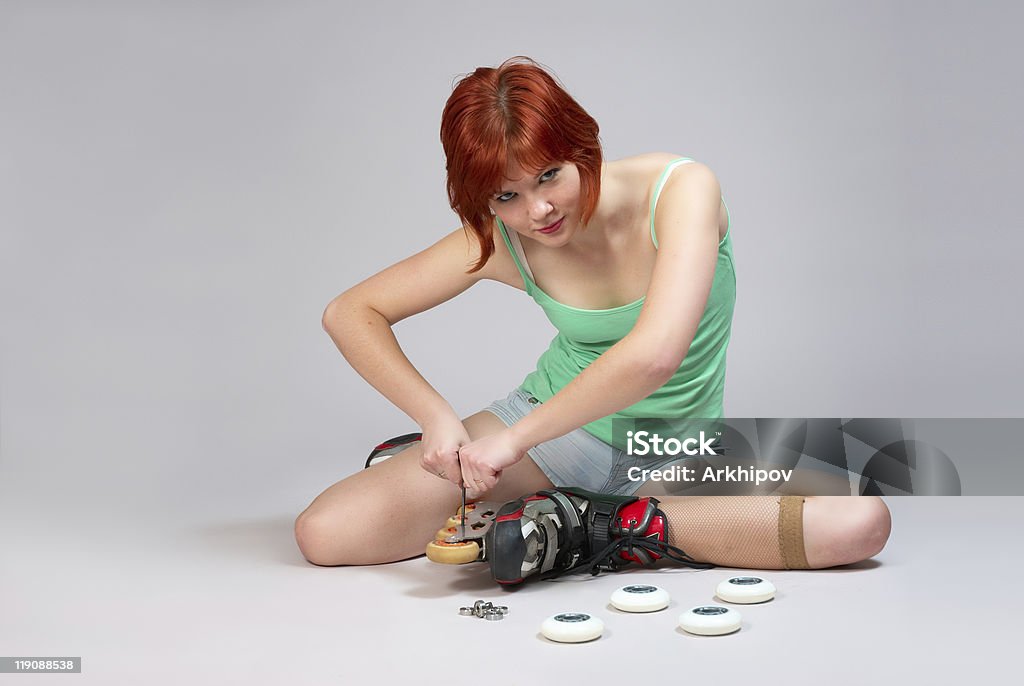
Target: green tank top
[696, 389]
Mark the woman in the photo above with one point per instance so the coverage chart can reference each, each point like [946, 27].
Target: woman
[632, 262]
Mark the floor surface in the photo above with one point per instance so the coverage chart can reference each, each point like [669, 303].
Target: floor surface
[229, 601]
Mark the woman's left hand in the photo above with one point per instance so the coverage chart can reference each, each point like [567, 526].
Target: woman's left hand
[484, 459]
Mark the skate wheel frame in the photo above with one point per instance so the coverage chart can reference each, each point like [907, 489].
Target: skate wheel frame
[745, 590]
[572, 627]
[450, 548]
[479, 518]
[710, 620]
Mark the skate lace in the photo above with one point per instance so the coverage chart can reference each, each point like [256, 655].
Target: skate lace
[607, 559]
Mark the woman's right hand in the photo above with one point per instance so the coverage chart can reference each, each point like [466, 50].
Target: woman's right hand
[442, 438]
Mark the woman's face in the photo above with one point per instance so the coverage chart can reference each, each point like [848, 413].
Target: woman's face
[543, 205]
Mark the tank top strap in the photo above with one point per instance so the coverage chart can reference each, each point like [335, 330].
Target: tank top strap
[515, 248]
[657, 190]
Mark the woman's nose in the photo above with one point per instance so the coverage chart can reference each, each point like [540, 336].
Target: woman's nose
[540, 208]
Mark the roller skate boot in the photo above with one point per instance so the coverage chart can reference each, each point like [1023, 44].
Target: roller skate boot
[567, 529]
[391, 447]
[557, 531]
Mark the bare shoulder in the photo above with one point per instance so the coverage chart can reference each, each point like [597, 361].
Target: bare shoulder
[690, 200]
[643, 171]
[500, 267]
[428, 278]
[462, 244]
[417, 283]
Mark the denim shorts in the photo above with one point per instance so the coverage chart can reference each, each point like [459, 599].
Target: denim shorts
[578, 458]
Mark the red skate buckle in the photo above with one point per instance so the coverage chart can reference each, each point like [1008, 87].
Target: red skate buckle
[639, 516]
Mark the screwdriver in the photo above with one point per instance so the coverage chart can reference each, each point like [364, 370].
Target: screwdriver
[462, 527]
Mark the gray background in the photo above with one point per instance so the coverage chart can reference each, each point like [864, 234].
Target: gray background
[184, 186]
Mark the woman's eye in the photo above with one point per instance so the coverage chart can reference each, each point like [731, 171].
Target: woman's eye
[505, 197]
[548, 175]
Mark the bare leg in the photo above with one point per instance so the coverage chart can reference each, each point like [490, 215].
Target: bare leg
[744, 531]
[391, 510]
[842, 530]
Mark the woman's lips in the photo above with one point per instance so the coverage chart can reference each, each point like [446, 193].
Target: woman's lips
[554, 227]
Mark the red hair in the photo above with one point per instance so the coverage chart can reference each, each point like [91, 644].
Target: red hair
[516, 112]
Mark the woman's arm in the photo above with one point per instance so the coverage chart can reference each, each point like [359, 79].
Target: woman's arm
[359, 322]
[687, 226]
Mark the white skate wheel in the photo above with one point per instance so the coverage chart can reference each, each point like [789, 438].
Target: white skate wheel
[640, 598]
[745, 589]
[572, 627]
[710, 620]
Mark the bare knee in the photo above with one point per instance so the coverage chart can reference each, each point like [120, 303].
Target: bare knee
[318, 537]
[343, 525]
[844, 530]
[331, 536]
[874, 527]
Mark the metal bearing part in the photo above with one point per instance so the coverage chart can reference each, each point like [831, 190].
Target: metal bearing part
[489, 608]
[484, 610]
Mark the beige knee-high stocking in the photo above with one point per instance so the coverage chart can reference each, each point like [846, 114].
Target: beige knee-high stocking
[754, 532]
